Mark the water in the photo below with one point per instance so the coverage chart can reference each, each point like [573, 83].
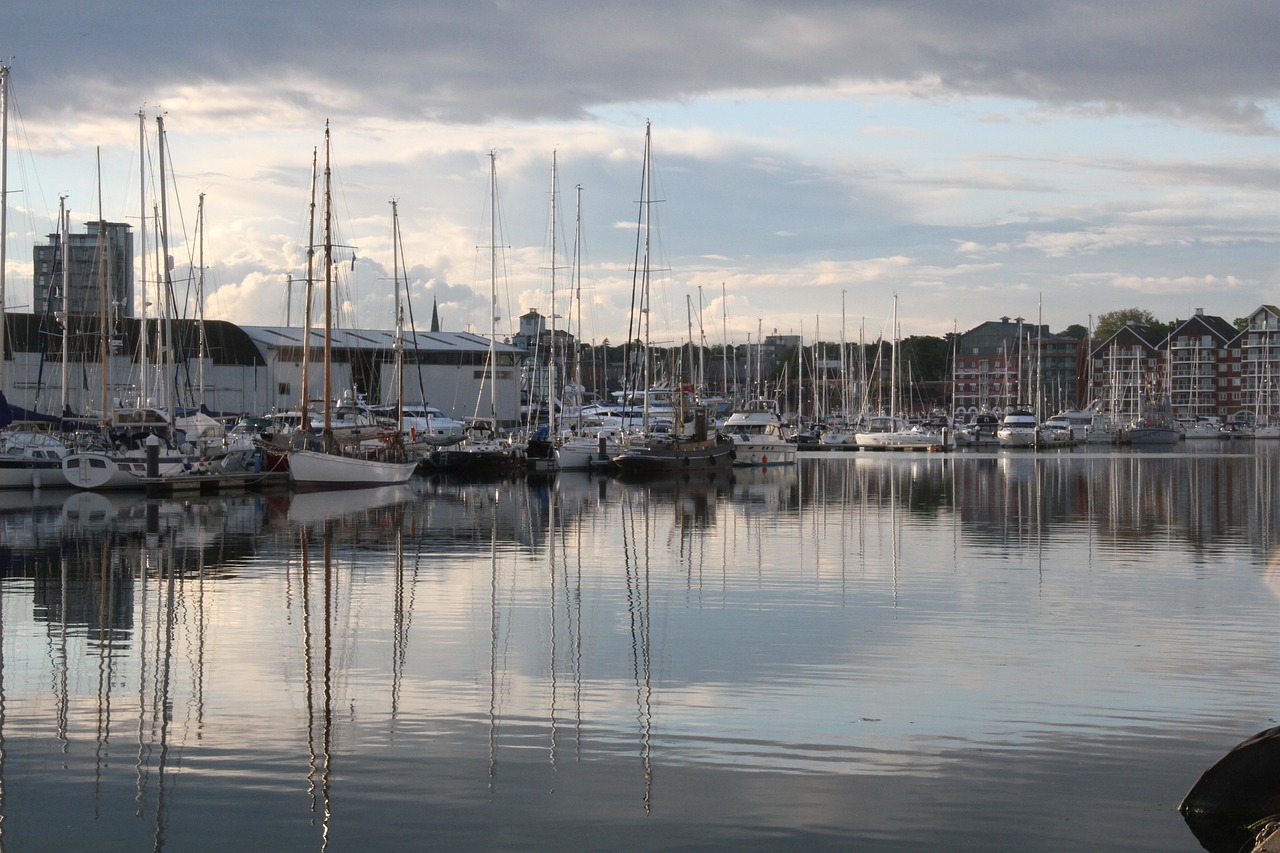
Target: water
[986, 651]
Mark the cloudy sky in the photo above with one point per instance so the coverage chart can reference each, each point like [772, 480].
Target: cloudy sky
[813, 158]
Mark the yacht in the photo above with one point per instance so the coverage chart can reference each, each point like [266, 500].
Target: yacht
[757, 435]
[1019, 428]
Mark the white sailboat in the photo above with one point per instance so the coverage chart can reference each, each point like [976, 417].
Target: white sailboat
[892, 432]
[332, 465]
[484, 450]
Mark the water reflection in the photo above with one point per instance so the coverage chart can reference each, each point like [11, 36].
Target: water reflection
[877, 651]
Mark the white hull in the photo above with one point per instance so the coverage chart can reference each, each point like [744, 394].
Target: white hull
[762, 451]
[903, 440]
[309, 468]
[582, 454]
[96, 471]
[31, 474]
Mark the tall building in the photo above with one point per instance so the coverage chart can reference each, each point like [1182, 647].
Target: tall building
[103, 253]
[1203, 372]
[1006, 364]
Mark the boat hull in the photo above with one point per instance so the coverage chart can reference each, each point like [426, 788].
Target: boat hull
[327, 470]
[31, 474]
[585, 454]
[1151, 435]
[98, 471]
[754, 452]
[676, 456]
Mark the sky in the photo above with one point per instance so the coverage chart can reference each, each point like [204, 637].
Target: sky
[819, 165]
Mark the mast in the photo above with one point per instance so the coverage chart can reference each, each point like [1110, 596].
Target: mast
[102, 295]
[646, 199]
[64, 238]
[328, 296]
[893, 362]
[305, 423]
[166, 336]
[493, 286]
[576, 275]
[724, 351]
[399, 343]
[200, 341]
[4, 202]
[143, 357]
[552, 395]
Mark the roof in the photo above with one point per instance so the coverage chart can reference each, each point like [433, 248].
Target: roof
[278, 337]
[225, 342]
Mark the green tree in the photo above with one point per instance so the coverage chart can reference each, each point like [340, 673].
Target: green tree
[1113, 321]
[1075, 330]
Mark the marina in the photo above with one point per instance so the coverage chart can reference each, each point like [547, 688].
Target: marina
[1003, 650]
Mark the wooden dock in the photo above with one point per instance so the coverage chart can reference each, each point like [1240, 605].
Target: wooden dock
[213, 484]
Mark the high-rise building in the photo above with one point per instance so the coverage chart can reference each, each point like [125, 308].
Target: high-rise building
[102, 254]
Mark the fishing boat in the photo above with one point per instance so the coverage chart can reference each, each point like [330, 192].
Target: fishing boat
[328, 463]
[1154, 425]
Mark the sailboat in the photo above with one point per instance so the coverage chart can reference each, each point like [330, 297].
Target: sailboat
[136, 443]
[333, 465]
[682, 448]
[892, 432]
[484, 450]
[28, 459]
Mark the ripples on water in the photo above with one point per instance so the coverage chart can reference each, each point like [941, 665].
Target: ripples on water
[1002, 652]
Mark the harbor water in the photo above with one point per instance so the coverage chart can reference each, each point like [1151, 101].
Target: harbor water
[995, 651]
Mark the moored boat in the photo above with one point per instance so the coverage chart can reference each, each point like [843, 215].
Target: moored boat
[757, 435]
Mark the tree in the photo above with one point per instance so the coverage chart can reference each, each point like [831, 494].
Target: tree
[1075, 330]
[1113, 321]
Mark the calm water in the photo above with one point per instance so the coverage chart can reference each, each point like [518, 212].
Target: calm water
[996, 652]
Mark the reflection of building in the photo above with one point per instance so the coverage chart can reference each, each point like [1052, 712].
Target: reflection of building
[104, 253]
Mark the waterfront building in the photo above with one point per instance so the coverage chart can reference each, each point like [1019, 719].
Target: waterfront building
[103, 253]
[1203, 374]
[253, 369]
[1004, 364]
[1255, 397]
[1125, 367]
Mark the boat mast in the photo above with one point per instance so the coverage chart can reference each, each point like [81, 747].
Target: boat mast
[64, 239]
[305, 422]
[578, 388]
[328, 296]
[200, 340]
[143, 356]
[399, 343]
[4, 203]
[724, 350]
[166, 337]
[552, 395]
[645, 202]
[492, 372]
[893, 362]
[104, 320]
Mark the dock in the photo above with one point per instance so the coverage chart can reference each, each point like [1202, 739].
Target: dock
[213, 484]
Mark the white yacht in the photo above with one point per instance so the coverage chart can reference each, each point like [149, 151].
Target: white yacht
[1018, 428]
[757, 435]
